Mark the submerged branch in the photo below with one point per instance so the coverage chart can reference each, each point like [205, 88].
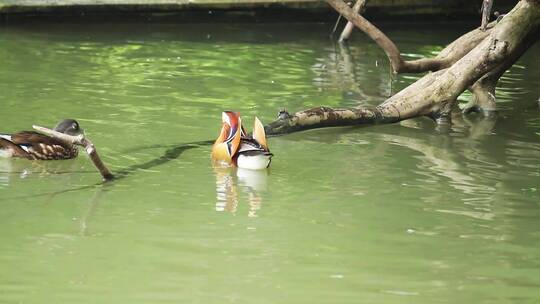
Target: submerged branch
[80, 140]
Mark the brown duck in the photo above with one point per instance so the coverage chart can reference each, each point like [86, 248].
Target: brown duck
[36, 146]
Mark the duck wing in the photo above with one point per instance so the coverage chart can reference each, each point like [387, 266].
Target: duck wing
[249, 146]
[32, 138]
[40, 146]
[14, 149]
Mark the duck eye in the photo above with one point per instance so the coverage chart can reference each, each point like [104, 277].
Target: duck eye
[74, 126]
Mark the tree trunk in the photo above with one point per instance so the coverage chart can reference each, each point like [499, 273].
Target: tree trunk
[475, 60]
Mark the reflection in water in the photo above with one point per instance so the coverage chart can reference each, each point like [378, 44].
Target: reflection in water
[161, 86]
[5, 171]
[465, 160]
[11, 168]
[438, 162]
[342, 69]
[250, 182]
[460, 162]
[524, 155]
[93, 205]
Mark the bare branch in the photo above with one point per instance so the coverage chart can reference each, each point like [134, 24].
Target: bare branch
[486, 12]
[373, 32]
[446, 58]
[80, 140]
[435, 94]
[357, 8]
[321, 117]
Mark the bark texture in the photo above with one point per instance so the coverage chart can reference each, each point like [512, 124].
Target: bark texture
[490, 53]
[486, 13]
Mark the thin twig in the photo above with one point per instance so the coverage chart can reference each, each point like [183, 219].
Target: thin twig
[336, 25]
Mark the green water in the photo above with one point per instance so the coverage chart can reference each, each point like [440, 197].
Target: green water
[403, 213]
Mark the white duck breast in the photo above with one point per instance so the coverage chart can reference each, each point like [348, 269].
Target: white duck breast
[254, 162]
[252, 156]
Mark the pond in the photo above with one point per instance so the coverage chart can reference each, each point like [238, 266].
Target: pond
[401, 213]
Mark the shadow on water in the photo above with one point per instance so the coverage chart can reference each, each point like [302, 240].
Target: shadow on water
[342, 71]
[172, 153]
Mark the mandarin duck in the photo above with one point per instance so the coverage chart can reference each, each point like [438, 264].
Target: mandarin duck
[36, 146]
[236, 147]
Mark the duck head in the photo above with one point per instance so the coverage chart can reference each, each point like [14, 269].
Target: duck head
[226, 145]
[69, 126]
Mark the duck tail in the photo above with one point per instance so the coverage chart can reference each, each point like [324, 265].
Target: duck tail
[14, 150]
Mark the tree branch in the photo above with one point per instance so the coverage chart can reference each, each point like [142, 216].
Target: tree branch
[434, 94]
[80, 140]
[486, 13]
[446, 58]
[357, 8]
[484, 97]
[321, 117]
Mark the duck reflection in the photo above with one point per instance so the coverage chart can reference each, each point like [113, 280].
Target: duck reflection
[14, 169]
[5, 171]
[232, 182]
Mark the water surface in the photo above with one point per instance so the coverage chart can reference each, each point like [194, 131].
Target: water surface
[403, 213]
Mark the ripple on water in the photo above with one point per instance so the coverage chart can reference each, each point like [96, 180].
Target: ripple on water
[383, 214]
